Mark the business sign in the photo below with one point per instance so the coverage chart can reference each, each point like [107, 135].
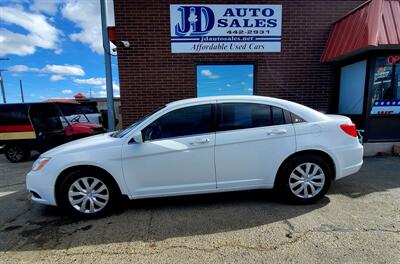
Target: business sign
[386, 107]
[225, 28]
[393, 59]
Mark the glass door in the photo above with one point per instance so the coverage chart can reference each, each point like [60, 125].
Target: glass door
[384, 115]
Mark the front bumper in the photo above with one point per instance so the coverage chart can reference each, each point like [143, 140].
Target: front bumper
[41, 185]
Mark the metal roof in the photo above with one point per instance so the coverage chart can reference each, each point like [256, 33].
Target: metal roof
[373, 24]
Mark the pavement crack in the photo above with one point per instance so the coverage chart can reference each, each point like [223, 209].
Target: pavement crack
[332, 228]
[148, 232]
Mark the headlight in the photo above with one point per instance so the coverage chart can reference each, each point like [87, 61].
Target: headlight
[39, 163]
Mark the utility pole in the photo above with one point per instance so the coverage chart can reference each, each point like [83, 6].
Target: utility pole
[107, 63]
[3, 92]
[22, 91]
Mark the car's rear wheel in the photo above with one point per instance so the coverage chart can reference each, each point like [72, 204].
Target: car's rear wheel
[16, 153]
[304, 179]
[87, 194]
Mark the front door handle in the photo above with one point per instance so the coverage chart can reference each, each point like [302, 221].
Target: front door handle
[200, 141]
[276, 132]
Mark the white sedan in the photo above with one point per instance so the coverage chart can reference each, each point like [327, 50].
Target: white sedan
[201, 145]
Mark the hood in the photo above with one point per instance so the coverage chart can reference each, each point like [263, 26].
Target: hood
[93, 142]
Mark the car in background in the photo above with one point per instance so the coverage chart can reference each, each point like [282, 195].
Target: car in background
[39, 126]
[201, 145]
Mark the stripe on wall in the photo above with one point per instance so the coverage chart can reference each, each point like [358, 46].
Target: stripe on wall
[17, 135]
[16, 128]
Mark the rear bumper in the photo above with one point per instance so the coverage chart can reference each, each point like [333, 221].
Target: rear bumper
[349, 170]
[350, 160]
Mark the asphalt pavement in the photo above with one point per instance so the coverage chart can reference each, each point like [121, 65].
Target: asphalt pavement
[357, 222]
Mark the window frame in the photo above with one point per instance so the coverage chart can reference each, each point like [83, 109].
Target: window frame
[288, 116]
[286, 113]
[212, 124]
[227, 63]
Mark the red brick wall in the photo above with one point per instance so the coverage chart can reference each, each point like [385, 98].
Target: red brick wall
[150, 75]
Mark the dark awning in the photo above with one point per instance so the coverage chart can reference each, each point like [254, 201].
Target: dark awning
[374, 24]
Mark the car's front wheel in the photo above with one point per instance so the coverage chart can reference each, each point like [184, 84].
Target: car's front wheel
[304, 179]
[87, 194]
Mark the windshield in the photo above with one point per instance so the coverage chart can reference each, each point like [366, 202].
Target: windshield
[123, 132]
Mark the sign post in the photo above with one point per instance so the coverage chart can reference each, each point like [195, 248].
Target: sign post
[3, 92]
[107, 63]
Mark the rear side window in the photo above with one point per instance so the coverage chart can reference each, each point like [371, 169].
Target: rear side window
[277, 116]
[232, 116]
[181, 122]
[296, 118]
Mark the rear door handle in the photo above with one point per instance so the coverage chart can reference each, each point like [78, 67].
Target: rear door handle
[200, 141]
[276, 132]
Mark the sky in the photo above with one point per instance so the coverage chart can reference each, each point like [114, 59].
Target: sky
[225, 80]
[55, 47]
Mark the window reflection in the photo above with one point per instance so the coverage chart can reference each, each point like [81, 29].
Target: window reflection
[225, 80]
[386, 88]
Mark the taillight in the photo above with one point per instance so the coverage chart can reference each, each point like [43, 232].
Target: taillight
[349, 129]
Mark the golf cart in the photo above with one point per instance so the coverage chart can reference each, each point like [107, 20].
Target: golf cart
[40, 126]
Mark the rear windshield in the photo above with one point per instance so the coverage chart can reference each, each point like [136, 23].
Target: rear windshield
[69, 109]
[88, 108]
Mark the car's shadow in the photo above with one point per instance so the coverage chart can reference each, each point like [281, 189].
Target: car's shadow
[377, 174]
[150, 220]
[37, 227]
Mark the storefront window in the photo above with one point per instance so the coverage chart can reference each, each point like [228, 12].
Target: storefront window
[386, 86]
[352, 85]
[225, 80]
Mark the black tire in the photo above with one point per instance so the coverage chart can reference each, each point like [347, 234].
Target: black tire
[64, 199]
[283, 187]
[16, 153]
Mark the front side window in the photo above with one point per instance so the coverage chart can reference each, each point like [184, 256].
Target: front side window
[232, 116]
[386, 86]
[181, 122]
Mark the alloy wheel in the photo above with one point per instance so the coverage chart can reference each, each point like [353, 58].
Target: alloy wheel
[307, 180]
[88, 195]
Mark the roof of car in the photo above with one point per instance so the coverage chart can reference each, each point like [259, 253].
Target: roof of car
[301, 110]
[226, 97]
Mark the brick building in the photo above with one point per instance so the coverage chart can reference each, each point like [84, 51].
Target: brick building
[320, 41]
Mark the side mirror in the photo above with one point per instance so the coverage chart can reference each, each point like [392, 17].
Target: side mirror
[138, 137]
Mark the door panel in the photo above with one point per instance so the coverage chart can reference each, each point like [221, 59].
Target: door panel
[170, 166]
[252, 142]
[177, 155]
[251, 157]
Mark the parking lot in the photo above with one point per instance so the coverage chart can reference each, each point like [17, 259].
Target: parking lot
[357, 222]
